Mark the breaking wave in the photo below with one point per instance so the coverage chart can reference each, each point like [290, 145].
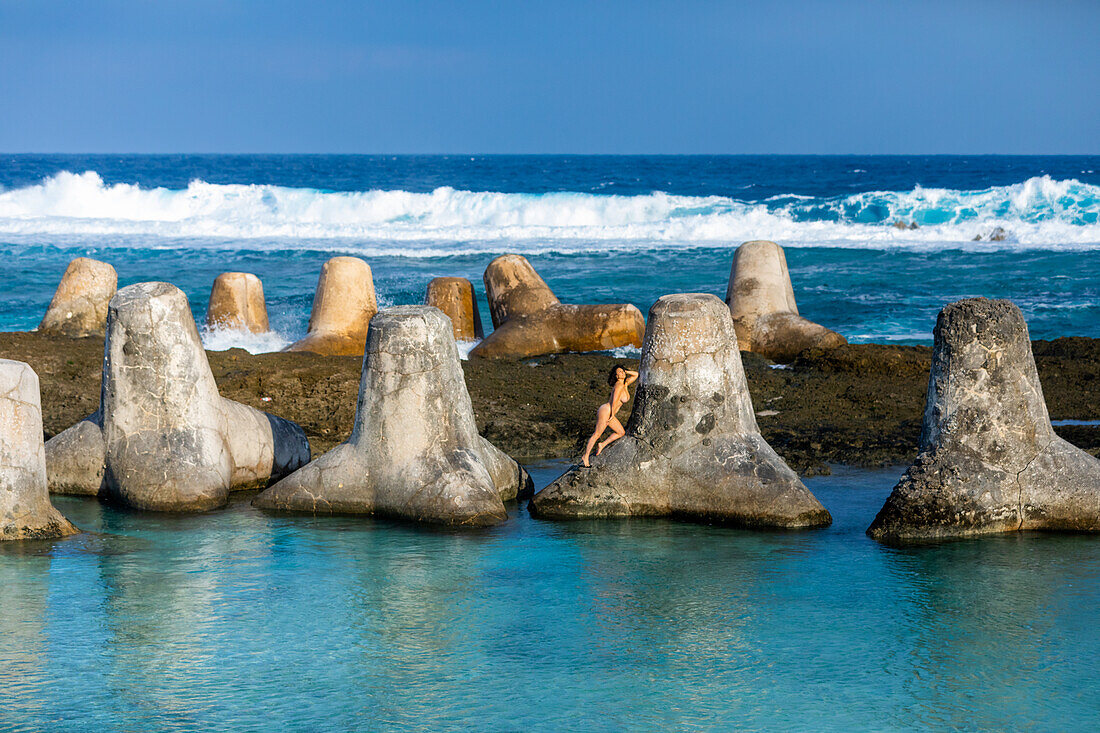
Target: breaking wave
[80, 209]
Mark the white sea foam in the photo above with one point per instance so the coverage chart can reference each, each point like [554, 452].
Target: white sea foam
[465, 347]
[79, 209]
[625, 352]
[219, 339]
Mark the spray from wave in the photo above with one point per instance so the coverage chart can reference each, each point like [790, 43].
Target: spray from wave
[218, 339]
[1039, 213]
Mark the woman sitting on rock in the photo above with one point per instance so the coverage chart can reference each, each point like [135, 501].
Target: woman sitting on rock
[620, 378]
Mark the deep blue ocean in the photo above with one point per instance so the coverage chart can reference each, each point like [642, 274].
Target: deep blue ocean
[239, 620]
[599, 229]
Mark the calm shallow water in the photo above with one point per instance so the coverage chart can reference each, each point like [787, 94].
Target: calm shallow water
[240, 620]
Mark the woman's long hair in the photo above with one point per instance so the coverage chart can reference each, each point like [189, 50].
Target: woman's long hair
[613, 377]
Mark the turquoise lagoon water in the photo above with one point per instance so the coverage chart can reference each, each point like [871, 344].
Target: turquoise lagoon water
[237, 620]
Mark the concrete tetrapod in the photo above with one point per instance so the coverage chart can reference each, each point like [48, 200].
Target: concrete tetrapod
[414, 452]
[237, 303]
[455, 297]
[761, 299]
[529, 320]
[692, 449]
[163, 439]
[343, 305]
[79, 305]
[25, 508]
[989, 460]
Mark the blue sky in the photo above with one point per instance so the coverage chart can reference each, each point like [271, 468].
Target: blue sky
[851, 76]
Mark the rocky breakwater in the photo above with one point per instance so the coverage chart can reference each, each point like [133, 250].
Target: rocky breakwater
[79, 305]
[989, 460]
[163, 438]
[692, 448]
[343, 305]
[761, 300]
[25, 508]
[237, 304]
[455, 297]
[529, 320]
[414, 451]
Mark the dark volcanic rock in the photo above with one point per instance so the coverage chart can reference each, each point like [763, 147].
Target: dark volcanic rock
[859, 404]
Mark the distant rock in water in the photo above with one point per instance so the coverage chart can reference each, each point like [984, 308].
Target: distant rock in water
[989, 460]
[761, 299]
[163, 439]
[455, 297]
[997, 235]
[79, 305]
[692, 448]
[237, 303]
[530, 321]
[899, 224]
[414, 452]
[25, 508]
[343, 305]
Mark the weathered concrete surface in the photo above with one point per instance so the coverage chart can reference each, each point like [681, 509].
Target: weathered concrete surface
[25, 508]
[414, 452]
[692, 448]
[343, 305]
[163, 438]
[989, 460]
[529, 320]
[455, 297]
[761, 299]
[237, 303]
[79, 305]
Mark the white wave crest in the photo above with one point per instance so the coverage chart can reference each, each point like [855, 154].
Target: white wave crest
[80, 209]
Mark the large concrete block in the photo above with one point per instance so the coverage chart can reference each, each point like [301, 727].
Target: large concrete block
[692, 448]
[414, 452]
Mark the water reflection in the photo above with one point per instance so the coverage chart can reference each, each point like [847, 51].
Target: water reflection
[987, 618]
[237, 619]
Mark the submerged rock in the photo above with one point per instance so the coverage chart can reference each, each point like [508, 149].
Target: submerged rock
[25, 508]
[761, 299]
[79, 305]
[530, 321]
[414, 452]
[989, 459]
[163, 438]
[455, 297]
[692, 447]
[237, 303]
[342, 308]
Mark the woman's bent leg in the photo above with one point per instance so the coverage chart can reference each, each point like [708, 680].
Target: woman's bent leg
[602, 416]
[616, 433]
